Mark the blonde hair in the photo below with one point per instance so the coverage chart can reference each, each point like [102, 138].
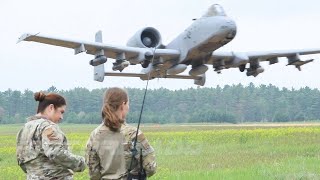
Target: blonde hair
[113, 99]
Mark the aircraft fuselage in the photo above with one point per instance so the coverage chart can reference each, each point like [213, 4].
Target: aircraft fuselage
[203, 37]
[196, 44]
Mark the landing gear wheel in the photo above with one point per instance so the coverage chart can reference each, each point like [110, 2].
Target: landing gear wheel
[145, 64]
[242, 67]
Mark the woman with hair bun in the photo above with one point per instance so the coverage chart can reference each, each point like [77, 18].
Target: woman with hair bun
[42, 148]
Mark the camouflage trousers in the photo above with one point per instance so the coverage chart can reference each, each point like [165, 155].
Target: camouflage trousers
[34, 177]
[122, 178]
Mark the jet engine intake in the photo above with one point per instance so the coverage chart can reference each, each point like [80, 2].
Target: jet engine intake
[148, 37]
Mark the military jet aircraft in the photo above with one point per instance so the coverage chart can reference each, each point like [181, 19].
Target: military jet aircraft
[196, 46]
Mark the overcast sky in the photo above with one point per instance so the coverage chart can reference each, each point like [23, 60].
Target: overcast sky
[261, 25]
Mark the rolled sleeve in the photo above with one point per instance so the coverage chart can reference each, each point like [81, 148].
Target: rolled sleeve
[93, 161]
[55, 150]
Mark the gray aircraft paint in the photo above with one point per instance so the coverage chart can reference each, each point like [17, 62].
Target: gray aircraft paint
[195, 46]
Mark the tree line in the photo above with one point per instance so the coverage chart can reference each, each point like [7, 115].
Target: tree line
[228, 104]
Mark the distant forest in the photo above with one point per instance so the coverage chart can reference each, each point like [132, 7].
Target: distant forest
[228, 104]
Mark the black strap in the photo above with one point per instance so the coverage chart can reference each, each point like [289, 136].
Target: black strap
[134, 149]
[142, 174]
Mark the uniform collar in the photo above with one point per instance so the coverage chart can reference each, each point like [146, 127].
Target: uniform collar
[36, 117]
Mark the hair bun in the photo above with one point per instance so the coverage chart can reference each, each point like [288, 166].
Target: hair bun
[39, 96]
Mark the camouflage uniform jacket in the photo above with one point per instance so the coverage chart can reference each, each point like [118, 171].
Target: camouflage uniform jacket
[42, 151]
[148, 155]
[104, 154]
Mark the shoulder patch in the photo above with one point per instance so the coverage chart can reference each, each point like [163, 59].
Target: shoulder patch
[141, 137]
[50, 134]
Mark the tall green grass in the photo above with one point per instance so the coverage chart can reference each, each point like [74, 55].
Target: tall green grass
[204, 152]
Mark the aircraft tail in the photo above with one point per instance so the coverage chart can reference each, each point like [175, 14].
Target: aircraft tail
[98, 72]
[98, 37]
[200, 80]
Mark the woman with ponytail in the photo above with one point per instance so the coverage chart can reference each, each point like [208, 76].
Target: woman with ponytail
[108, 153]
[42, 148]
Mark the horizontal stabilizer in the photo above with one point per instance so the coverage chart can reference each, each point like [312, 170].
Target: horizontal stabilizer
[299, 63]
[98, 73]
[24, 37]
[145, 76]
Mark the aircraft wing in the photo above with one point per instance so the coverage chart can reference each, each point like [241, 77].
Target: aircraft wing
[261, 55]
[235, 59]
[110, 51]
[265, 56]
[145, 76]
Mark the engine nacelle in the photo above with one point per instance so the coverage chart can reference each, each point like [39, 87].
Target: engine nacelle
[147, 37]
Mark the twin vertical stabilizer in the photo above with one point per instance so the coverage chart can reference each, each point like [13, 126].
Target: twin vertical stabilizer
[98, 72]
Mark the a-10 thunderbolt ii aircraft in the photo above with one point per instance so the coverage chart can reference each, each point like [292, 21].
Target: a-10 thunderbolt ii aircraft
[196, 46]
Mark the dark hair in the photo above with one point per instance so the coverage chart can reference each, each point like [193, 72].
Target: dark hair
[46, 100]
[113, 98]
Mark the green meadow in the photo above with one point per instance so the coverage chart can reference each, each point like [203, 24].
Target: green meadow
[205, 151]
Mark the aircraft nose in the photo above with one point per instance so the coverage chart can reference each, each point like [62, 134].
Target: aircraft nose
[230, 29]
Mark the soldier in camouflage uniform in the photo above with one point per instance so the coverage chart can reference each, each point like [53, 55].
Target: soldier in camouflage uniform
[42, 148]
[104, 154]
[108, 149]
[148, 155]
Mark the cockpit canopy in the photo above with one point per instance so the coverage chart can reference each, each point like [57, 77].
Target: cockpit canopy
[215, 10]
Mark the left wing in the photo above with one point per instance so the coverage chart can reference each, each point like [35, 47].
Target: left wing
[221, 60]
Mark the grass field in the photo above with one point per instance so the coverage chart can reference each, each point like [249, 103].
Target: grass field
[269, 151]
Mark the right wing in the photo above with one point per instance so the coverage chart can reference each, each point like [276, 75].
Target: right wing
[110, 51]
